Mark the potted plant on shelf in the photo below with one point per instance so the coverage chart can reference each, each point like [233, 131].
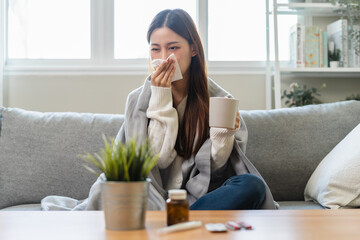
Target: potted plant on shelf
[124, 193]
[301, 96]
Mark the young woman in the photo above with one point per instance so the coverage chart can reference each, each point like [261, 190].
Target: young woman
[208, 162]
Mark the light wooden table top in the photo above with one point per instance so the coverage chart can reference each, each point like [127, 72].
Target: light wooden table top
[267, 224]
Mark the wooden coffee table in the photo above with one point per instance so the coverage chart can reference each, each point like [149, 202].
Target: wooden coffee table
[267, 224]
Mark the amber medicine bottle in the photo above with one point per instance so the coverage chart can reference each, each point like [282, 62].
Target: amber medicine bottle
[177, 207]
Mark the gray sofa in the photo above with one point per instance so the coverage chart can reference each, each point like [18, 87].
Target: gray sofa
[39, 151]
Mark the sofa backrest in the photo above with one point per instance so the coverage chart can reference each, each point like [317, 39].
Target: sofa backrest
[39, 153]
[286, 145]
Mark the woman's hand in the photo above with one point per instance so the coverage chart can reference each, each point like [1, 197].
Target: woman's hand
[237, 122]
[163, 74]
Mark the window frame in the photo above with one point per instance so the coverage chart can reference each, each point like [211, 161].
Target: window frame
[102, 60]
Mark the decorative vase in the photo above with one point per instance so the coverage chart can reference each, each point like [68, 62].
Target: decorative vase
[125, 204]
[334, 64]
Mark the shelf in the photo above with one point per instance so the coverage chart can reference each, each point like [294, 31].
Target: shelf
[316, 9]
[322, 72]
[306, 11]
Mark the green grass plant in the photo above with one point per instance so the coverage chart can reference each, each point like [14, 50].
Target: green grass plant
[122, 161]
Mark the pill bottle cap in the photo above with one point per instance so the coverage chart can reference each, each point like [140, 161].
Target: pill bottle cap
[177, 194]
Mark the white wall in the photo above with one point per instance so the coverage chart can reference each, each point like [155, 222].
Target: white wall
[107, 94]
[102, 94]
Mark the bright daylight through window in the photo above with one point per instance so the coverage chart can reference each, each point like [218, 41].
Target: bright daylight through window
[61, 29]
[237, 30]
[49, 29]
[132, 19]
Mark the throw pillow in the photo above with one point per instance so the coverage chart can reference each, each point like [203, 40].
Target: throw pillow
[335, 182]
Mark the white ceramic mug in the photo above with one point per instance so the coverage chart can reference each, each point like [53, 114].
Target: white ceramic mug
[223, 112]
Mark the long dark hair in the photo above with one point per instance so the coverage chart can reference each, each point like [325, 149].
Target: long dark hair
[196, 116]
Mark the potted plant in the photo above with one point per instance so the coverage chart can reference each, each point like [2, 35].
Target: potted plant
[301, 96]
[124, 193]
[333, 55]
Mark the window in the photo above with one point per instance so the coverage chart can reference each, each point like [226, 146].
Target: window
[131, 23]
[284, 24]
[237, 30]
[111, 35]
[49, 29]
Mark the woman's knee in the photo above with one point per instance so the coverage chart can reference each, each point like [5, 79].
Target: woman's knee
[255, 187]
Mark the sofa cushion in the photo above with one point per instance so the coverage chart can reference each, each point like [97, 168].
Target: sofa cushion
[335, 183]
[39, 153]
[298, 205]
[24, 207]
[286, 145]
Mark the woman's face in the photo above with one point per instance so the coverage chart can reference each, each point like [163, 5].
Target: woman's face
[164, 41]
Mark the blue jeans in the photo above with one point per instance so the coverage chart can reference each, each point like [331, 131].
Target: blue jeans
[245, 191]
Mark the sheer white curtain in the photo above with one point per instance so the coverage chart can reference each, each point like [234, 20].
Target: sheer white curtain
[2, 49]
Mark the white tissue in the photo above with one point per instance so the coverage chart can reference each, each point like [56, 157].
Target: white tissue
[177, 75]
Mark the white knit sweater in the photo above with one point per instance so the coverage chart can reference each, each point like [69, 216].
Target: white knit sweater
[163, 131]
